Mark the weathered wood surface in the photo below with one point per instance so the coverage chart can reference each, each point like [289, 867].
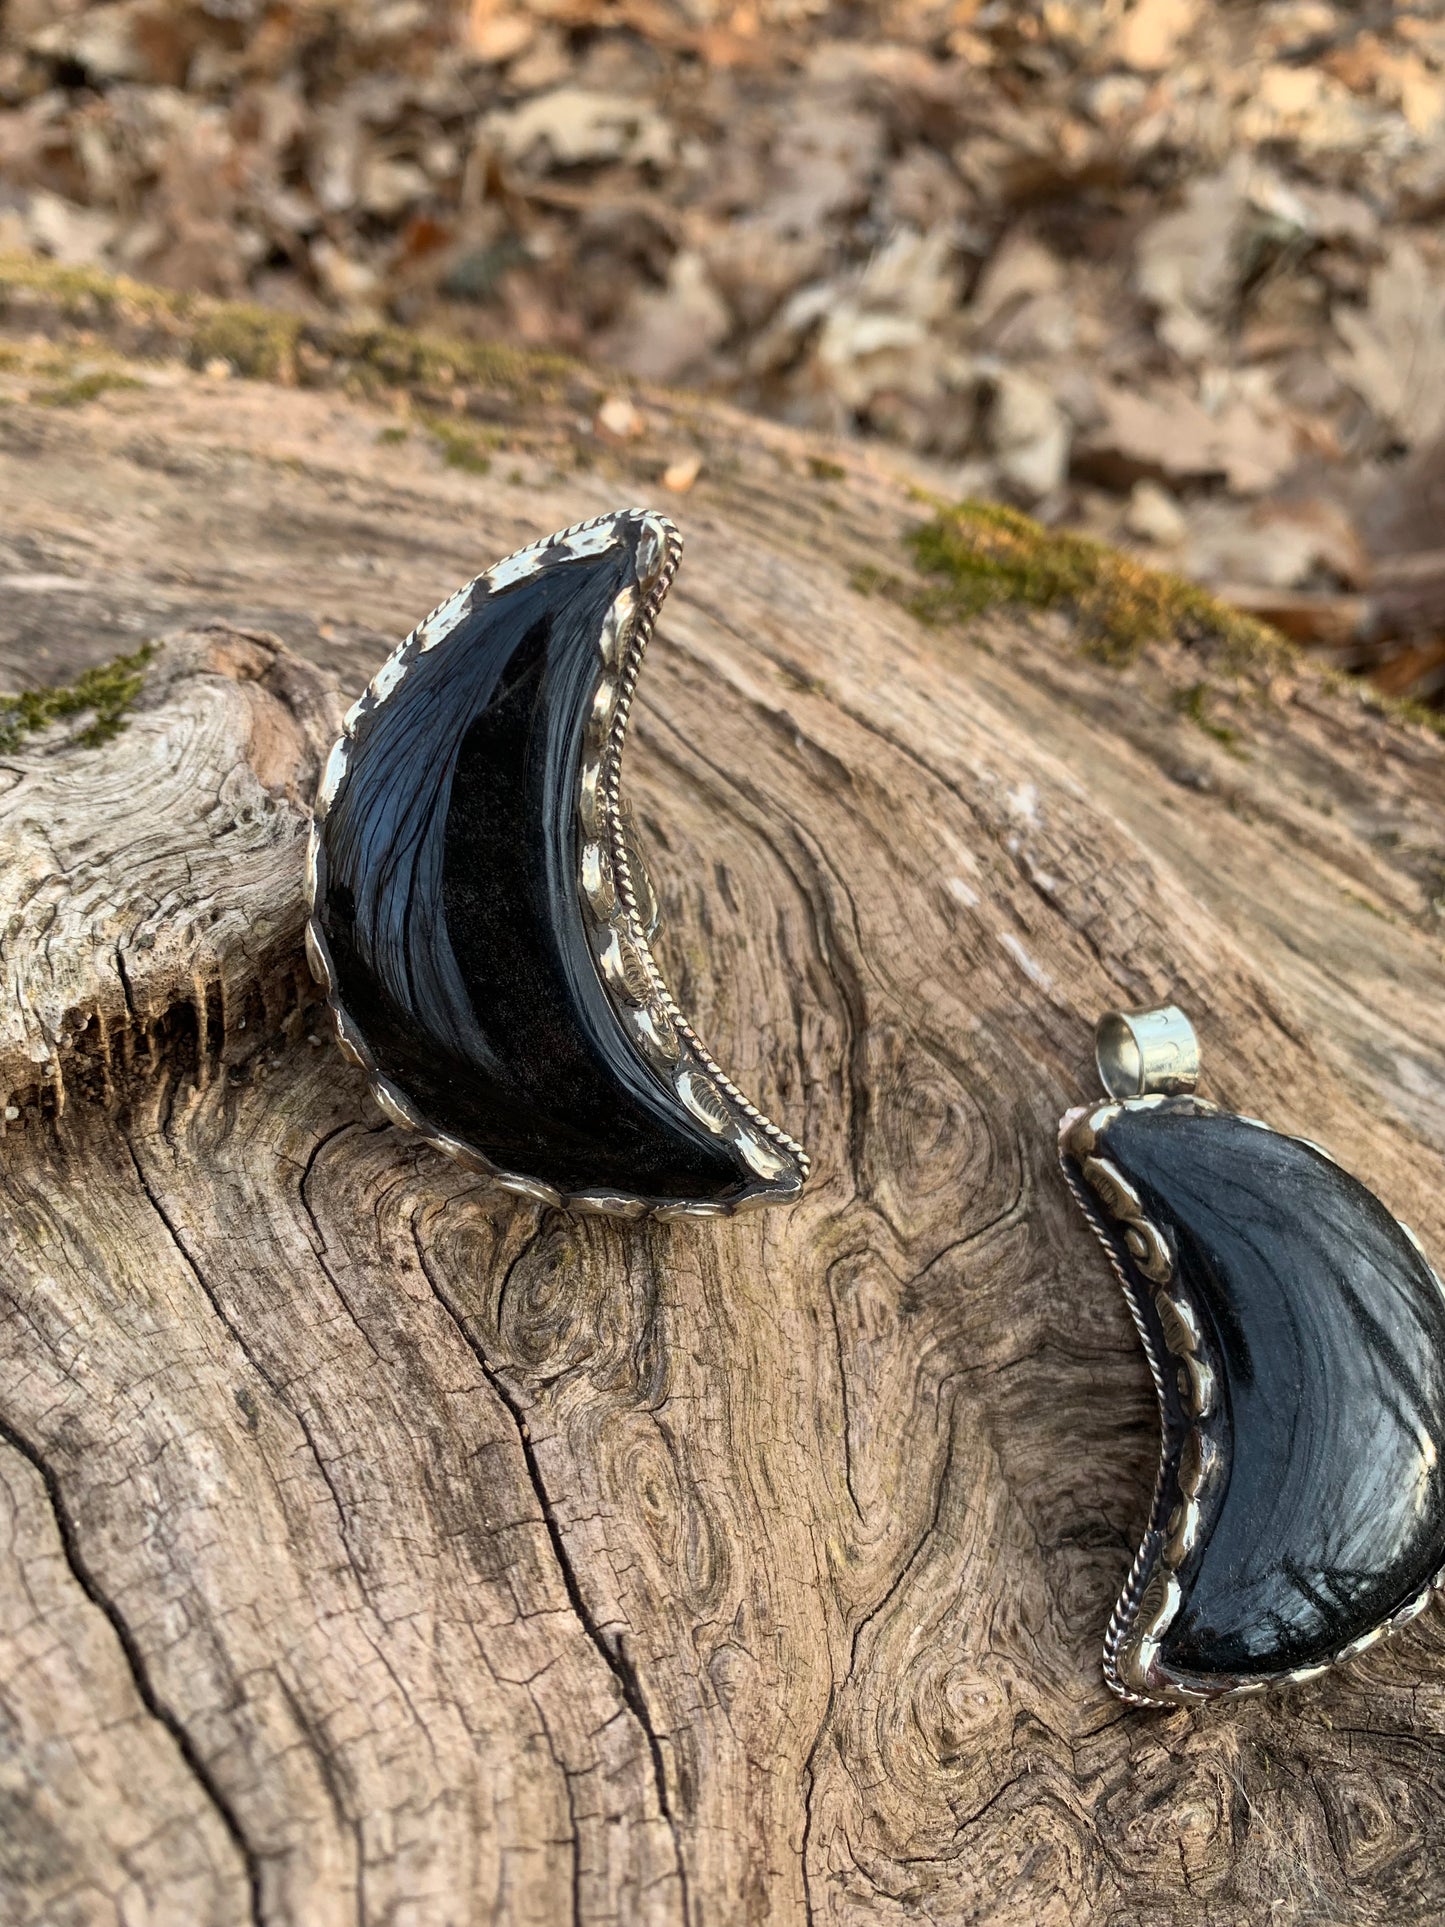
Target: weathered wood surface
[372, 1550]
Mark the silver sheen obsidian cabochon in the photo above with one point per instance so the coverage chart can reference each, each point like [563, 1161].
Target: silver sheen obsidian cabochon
[1296, 1335]
[480, 917]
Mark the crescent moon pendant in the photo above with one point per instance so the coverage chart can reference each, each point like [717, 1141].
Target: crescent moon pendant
[1296, 1335]
[480, 917]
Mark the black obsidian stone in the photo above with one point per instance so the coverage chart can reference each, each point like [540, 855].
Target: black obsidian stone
[448, 897]
[1324, 1328]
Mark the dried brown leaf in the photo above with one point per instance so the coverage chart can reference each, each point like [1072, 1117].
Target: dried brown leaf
[1394, 349]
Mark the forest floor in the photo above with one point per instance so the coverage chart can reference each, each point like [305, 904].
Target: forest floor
[1166, 273]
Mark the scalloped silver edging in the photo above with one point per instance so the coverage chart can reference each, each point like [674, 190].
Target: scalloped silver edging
[626, 965]
[588, 537]
[1151, 1594]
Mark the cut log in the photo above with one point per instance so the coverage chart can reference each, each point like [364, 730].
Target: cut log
[376, 1549]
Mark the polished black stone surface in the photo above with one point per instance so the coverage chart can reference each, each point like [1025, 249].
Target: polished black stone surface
[448, 896]
[1327, 1332]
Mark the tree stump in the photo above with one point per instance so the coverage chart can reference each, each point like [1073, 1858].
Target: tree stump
[377, 1549]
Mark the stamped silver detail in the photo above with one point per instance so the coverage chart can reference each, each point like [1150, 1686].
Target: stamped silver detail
[606, 1204]
[760, 1155]
[1122, 1202]
[604, 707]
[334, 774]
[436, 627]
[532, 1188]
[597, 884]
[706, 1102]
[1158, 1605]
[589, 799]
[388, 677]
[1411, 1610]
[1183, 1531]
[655, 1032]
[1196, 1387]
[655, 548]
[595, 539]
[317, 958]
[1363, 1643]
[622, 967]
[617, 629]
[649, 916]
[520, 567]
[1198, 1461]
[350, 1041]
[1149, 1251]
[1178, 1322]
[313, 861]
[395, 1104]
[1116, 1194]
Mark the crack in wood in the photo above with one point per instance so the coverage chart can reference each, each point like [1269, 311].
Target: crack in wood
[614, 1654]
[137, 1667]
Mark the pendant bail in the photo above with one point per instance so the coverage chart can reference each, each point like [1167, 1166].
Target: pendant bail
[1146, 1052]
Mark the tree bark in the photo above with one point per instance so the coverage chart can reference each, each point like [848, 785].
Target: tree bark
[374, 1549]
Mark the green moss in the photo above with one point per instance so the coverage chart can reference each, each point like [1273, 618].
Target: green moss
[83, 388]
[403, 358]
[1412, 711]
[1405, 709]
[825, 471]
[803, 680]
[1193, 702]
[271, 345]
[105, 693]
[979, 554]
[460, 447]
[83, 292]
[254, 341]
[392, 437]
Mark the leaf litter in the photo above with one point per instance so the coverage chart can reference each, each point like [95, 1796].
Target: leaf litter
[1167, 274]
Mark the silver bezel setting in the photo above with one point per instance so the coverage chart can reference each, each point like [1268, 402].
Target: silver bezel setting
[1192, 1452]
[612, 895]
[614, 901]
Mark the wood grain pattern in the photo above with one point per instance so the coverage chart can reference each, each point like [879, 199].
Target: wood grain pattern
[373, 1550]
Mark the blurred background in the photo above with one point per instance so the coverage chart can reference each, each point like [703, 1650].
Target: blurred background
[1169, 272]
